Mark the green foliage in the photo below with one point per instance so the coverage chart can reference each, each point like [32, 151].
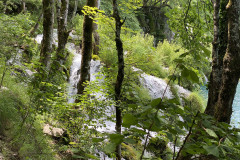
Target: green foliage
[78, 24]
[158, 146]
[96, 57]
[107, 52]
[172, 121]
[17, 121]
[13, 30]
[129, 152]
[191, 23]
[8, 114]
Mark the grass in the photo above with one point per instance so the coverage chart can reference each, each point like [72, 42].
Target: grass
[18, 123]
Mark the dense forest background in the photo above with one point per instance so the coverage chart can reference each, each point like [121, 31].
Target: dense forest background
[119, 79]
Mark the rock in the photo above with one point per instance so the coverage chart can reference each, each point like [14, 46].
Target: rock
[3, 89]
[182, 91]
[1, 156]
[73, 36]
[156, 86]
[52, 131]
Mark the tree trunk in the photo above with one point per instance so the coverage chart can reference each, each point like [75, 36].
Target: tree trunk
[218, 52]
[33, 30]
[23, 6]
[62, 14]
[95, 33]
[86, 50]
[48, 20]
[120, 76]
[75, 9]
[231, 67]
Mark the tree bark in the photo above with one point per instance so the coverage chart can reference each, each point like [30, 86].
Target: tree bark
[231, 67]
[62, 14]
[120, 76]
[95, 33]
[48, 20]
[86, 50]
[218, 51]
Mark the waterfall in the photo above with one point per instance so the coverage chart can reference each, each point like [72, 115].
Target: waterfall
[154, 85]
[74, 76]
[205, 79]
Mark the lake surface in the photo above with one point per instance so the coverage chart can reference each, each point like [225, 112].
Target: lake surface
[235, 120]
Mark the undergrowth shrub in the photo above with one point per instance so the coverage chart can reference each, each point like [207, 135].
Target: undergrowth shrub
[195, 101]
[141, 54]
[107, 53]
[78, 25]
[19, 123]
[8, 110]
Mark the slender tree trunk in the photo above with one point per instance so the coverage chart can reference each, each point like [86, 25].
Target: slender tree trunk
[95, 33]
[33, 30]
[23, 6]
[231, 67]
[48, 20]
[75, 9]
[86, 50]
[62, 14]
[120, 76]
[218, 52]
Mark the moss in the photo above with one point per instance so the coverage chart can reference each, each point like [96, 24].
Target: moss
[195, 101]
[129, 152]
[96, 57]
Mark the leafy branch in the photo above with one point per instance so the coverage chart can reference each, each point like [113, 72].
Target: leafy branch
[156, 113]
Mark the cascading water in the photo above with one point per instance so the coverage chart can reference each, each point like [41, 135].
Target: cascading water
[155, 86]
[74, 76]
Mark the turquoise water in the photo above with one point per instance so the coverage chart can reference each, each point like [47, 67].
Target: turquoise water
[235, 120]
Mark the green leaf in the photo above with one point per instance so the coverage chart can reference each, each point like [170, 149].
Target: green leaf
[129, 120]
[156, 102]
[184, 54]
[110, 148]
[91, 156]
[134, 106]
[211, 133]
[72, 143]
[77, 156]
[116, 138]
[193, 76]
[185, 73]
[205, 50]
[179, 60]
[213, 150]
[97, 140]
[130, 140]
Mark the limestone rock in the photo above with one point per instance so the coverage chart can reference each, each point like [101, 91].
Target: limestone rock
[52, 131]
[1, 156]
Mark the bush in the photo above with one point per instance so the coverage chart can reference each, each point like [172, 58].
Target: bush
[195, 101]
[78, 24]
[19, 123]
